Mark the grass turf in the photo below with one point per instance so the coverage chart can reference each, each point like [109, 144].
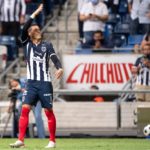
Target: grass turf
[83, 144]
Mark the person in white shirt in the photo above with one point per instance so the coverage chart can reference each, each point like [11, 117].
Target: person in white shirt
[112, 5]
[81, 3]
[144, 15]
[94, 14]
[140, 16]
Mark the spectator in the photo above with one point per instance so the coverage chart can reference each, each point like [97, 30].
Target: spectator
[144, 16]
[112, 5]
[142, 71]
[12, 15]
[133, 6]
[97, 42]
[80, 23]
[94, 14]
[140, 16]
[96, 98]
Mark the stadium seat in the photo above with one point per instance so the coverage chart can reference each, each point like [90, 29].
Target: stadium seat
[119, 40]
[126, 18]
[113, 19]
[10, 42]
[127, 49]
[123, 7]
[83, 51]
[108, 30]
[135, 39]
[122, 28]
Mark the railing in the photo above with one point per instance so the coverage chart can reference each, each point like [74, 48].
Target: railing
[97, 92]
[67, 92]
[128, 86]
[67, 15]
[13, 64]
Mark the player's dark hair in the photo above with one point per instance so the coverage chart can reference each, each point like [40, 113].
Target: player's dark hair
[147, 36]
[33, 24]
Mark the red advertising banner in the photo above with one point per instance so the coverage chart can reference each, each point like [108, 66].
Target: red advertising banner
[106, 71]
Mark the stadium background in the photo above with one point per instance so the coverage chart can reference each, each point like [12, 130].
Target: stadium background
[78, 115]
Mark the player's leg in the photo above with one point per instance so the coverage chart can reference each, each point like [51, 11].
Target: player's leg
[46, 98]
[52, 127]
[23, 123]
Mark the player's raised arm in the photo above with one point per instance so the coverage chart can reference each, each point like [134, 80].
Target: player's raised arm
[24, 36]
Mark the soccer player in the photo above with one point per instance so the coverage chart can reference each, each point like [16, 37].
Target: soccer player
[39, 87]
[142, 71]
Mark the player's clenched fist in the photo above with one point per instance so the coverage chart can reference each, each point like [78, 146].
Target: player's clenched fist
[59, 73]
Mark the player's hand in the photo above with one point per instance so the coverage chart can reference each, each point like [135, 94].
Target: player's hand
[59, 73]
[38, 10]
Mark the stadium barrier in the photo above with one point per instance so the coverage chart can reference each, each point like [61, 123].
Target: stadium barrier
[89, 118]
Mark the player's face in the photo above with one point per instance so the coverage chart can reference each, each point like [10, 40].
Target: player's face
[35, 32]
[146, 50]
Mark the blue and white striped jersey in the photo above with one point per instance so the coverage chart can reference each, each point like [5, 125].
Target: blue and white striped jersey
[143, 77]
[38, 56]
[10, 10]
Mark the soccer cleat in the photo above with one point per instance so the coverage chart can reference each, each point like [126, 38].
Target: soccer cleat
[17, 144]
[51, 144]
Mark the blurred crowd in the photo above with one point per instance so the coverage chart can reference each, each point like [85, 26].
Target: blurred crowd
[113, 23]
[13, 15]
[103, 25]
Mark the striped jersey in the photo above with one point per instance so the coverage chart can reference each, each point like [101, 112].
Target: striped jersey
[10, 10]
[143, 77]
[37, 57]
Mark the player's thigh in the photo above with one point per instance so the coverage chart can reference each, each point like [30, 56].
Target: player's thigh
[30, 96]
[46, 95]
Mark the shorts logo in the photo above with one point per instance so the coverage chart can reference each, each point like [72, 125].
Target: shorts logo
[23, 98]
[48, 94]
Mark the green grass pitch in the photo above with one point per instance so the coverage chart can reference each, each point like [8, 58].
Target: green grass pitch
[83, 144]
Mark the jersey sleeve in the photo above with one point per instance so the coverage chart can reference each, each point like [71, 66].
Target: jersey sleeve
[54, 57]
[24, 35]
[137, 62]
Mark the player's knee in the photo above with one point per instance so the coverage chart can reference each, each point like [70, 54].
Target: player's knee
[49, 113]
[25, 111]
